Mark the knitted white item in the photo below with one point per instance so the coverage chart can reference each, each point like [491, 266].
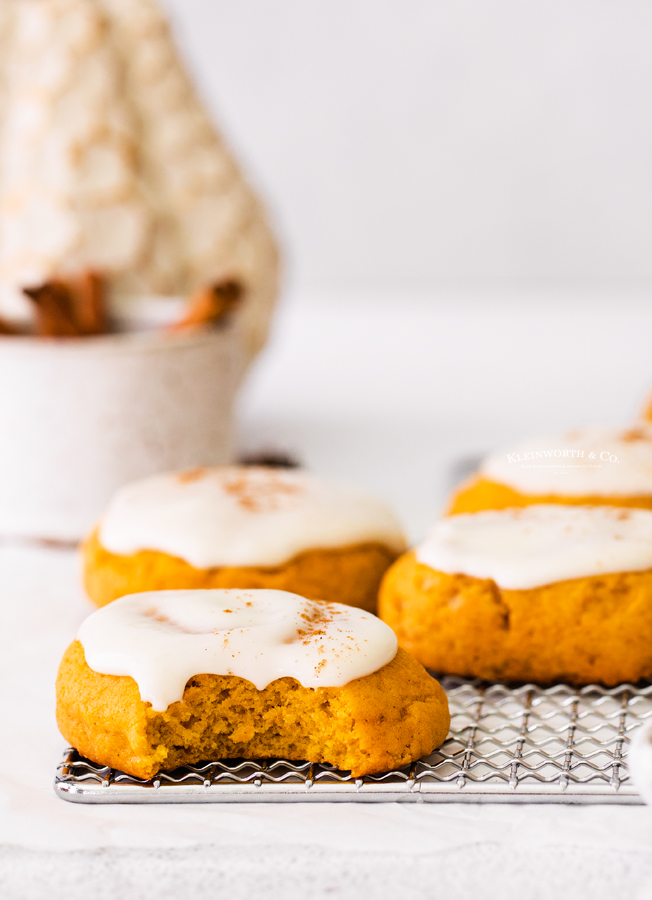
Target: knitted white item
[109, 161]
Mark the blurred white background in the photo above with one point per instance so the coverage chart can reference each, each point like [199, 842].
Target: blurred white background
[464, 193]
[425, 143]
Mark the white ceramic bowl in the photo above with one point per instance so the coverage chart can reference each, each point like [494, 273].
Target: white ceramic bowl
[80, 417]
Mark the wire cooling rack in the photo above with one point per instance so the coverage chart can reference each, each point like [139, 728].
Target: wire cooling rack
[522, 744]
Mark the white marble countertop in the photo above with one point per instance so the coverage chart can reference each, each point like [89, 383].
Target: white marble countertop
[49, 847]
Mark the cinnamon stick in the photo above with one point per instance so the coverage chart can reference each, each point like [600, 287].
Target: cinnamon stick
[209, 306]
[87, 291]
[53, 308]
[71, 307]
[6, 328]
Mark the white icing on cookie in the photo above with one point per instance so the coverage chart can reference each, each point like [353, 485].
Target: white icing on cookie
[243, 516]
[531, 546]
[163, 638]
[587, 462]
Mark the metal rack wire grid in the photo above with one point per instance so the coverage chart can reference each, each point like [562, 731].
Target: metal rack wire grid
[523, 744]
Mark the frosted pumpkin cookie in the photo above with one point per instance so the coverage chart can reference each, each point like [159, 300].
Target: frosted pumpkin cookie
[588, 466]
[243, 527]
[542, 593]
[169, 678]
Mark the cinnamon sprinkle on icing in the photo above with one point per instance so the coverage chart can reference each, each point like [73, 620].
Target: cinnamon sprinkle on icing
[243, 516]
[635, 434]
[191, 475]
[259, 496]
[164, 638]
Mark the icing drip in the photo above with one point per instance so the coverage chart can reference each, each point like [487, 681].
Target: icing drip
[531, 546]
[163, 638]
[621, 464]
[243, 516]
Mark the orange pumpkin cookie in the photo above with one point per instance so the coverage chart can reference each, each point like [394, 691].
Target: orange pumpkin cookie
[569, 598]
[247, 527]
[600, 466]
[390, 715]
[478, 493]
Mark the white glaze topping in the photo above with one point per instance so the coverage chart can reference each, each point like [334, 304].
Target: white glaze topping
[163, 638]
[243, 516]
[535, 545]
[582, 463]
